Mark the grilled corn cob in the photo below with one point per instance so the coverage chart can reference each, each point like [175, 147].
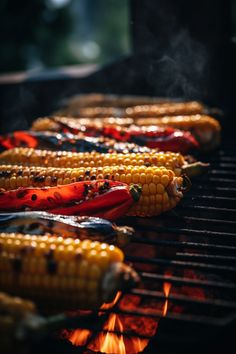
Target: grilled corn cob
[149, 110]
[205, 128]
[63, 273]
[162, 138]
[31, 157]
[108, 100]
[45, 123]
[161, 189]
[82, 227]
[54, 123]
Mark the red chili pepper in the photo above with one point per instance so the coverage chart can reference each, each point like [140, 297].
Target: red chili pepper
[18, 138]
[102, 198]
[163, 138]
[67, 142]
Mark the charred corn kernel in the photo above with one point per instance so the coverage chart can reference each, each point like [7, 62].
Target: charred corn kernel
[27, 156]
[32, 266]
[153, 180]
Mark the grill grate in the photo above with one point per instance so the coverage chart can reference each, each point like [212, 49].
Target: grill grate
[193, 248]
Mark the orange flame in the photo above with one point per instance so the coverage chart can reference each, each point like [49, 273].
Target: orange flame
[109, 305]
[110, 343]
[166, 290]
[139, 344]
[79, 336]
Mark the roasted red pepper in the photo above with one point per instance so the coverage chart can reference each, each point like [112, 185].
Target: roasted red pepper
[102, 198]
[66, 142]
[17, 139]
[163, 138]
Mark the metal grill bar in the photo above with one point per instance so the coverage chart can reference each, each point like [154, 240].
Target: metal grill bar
[184, 299]
[217, 211]
[181, 264]
[186, 244]
[206, 257]
[189, 232]
[217, 190]
[207, 320]
[179, 281]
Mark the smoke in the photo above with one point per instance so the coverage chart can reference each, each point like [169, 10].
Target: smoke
[181, 70]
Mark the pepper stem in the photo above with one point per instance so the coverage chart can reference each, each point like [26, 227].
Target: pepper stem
[135, 191]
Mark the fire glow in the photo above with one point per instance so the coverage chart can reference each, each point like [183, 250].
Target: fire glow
[166, 289]
[110, 342]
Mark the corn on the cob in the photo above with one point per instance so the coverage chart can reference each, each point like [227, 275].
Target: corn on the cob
[205, 128]
[108, 100]
[31, 157]
[53, 123]
[64, 273]
[47, 158]
[161, 189]
[82, 227]
[45, 123]
[162, 138]
[149, 110]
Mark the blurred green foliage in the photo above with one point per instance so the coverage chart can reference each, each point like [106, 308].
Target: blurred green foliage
[49, 33]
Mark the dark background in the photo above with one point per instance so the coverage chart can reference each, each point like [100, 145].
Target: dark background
[171, 48]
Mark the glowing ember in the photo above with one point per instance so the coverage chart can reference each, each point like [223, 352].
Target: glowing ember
[166, 289]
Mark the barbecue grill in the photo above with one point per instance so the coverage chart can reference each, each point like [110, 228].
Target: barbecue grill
[186, 257]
